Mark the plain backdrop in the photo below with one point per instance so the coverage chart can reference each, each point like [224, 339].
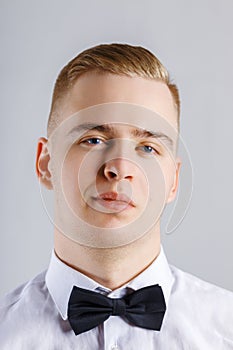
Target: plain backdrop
[194, 40]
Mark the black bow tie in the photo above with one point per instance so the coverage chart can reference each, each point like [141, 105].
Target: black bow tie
[144, 308]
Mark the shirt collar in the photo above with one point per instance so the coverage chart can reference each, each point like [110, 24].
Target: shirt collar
[60, 279]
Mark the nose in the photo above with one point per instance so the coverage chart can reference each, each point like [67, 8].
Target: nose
[118, 169]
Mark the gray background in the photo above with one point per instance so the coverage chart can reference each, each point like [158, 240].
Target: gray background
[194, 41]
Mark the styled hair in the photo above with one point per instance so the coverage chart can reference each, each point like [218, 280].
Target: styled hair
[115, 58]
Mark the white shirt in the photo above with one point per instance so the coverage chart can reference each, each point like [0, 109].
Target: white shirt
[199, 315]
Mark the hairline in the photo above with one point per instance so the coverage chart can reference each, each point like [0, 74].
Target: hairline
[54, 114]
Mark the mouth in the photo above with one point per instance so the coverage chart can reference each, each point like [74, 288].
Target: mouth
[115, 201]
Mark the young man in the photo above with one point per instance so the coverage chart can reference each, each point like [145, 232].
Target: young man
[110, 159]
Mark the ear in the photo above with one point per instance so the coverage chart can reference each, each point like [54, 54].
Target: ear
[173, 191]
[42, 162]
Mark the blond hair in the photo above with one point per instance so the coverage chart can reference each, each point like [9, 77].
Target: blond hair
[115, 58]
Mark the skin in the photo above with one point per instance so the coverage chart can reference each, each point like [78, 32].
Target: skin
[111, 267]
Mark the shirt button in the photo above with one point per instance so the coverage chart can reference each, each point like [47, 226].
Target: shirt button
[114, 347]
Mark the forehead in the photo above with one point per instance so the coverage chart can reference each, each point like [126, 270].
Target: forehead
[95, 88]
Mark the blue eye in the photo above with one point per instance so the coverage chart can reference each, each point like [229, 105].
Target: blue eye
[93, 141]
[148, 149]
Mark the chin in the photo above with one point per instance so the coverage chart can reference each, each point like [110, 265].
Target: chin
[109, 221]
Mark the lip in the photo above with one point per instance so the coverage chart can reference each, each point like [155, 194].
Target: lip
[115, 201]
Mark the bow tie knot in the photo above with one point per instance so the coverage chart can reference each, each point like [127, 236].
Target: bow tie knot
[118, 307]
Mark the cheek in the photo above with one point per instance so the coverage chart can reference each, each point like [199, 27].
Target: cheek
[169, 174]
[161, 179]
[69, 175]
[78, 172]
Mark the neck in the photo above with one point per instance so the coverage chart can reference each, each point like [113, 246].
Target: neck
[112, 267]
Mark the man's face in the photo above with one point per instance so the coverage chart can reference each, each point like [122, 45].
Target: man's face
[112, 171]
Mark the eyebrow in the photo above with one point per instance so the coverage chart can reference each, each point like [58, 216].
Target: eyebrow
[137, 132]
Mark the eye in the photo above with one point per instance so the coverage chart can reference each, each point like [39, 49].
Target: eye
[148, 149]
[93, 141]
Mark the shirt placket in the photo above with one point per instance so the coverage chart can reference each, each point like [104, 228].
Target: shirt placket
[113, 326]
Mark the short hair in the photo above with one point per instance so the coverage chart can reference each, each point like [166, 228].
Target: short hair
[115, 58]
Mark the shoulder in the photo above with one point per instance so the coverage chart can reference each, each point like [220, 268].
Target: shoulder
[198, 286]
[26, 312]
[33, 290]
[204, 304]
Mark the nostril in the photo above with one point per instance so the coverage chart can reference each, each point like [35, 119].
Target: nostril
[111, 174]
[117, 171]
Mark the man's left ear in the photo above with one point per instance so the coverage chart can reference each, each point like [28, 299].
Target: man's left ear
[174, 188]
